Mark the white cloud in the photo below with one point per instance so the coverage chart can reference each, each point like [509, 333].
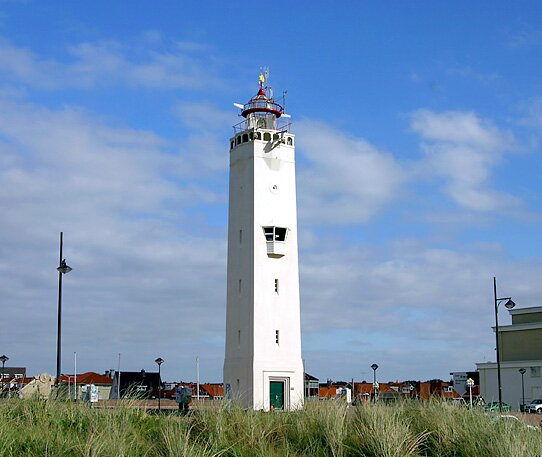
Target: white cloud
[107, 63]
[463, 149]
[346, 180]
[406, 303]
[143, 264]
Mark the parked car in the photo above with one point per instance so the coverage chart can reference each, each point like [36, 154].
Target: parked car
[494, 406]
[534, 407]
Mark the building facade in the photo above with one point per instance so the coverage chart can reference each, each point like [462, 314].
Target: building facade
[263, 367]
[520, 348]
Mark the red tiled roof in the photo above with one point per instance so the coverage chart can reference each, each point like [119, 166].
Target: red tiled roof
[87, 378]
[214, 390]
[328, 392]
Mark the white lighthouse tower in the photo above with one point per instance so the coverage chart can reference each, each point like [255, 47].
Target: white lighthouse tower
[263, 368]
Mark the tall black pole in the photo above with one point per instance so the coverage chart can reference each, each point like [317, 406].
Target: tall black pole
[159, 387]
[4, 358]
[497, 343]
[59, 321]
[522, 371]
[374, 367]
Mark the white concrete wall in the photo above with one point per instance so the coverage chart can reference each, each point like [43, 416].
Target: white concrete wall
[510, 382]
[262, 193]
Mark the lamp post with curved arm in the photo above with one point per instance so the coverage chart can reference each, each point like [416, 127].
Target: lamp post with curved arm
[62, 269]
[509, 304]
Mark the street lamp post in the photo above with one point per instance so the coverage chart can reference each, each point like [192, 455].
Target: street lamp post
[3, 359]
[62, 269]
[374, 367]
[470, 385]
[159, 361]
[509, 304]
[522, 372]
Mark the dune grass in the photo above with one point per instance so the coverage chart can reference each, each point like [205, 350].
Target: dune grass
[53, 428]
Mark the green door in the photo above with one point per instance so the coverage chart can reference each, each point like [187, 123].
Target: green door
[276, 389]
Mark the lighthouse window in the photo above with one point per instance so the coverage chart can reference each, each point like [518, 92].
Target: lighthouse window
[238, 140]
[290, 142]
[267, 136]
[275, 233]
[280, 234]
[275, 136]
[251, 135]
[245, 138]
[232, 144]
[258, 136]
[276, 286]
[269, 233]
[239, 286]
[277, 336]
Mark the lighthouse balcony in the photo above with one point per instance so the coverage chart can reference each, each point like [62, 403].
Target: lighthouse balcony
[276, 248]
[262, 123]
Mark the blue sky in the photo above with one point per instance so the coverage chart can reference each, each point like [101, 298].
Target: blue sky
[419, 168]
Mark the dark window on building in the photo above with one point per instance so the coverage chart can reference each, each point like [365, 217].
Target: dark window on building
[280, 233]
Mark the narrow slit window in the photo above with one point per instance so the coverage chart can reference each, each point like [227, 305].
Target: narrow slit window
[245, 137]
[239, 286]
[240, 236]
[276, 286]
[239, 338]
[277, 336]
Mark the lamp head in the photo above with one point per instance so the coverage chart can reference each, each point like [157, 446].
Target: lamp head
[509, 304]
[374, 366]
[522, 370]
[4, 359]
[159, 361]
[64, 268]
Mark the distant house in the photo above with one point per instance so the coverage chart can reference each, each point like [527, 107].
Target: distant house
[102, 382]
[207, 391]
[14, 372]
[141, 384]
[311, 387]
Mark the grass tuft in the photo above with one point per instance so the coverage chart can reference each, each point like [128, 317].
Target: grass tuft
[54, 428]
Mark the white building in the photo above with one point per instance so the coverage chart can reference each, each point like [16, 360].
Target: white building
[520, 347]
[263, 367]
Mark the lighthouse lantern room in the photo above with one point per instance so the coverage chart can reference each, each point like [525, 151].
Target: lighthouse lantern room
[263, 368]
